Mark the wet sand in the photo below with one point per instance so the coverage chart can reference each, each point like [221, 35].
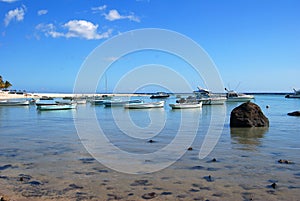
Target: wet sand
[86, 179]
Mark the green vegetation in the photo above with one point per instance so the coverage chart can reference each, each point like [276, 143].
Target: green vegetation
[4, 84]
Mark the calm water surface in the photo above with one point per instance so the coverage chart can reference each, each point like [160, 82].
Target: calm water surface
[44, 149]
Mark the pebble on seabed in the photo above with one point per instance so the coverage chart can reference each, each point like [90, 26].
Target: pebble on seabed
[273, 185]
[214, 160]
[151, 141]
[190, 149]
[2, 198]
[284, 161]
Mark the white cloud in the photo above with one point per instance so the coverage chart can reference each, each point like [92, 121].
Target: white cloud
[42, 12]
[16, 14]
[83, 29]
[49, 30]
[75, 29]
[8, 1]
[99, 8]
[115, 15]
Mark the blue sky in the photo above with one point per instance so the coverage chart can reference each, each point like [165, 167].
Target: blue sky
[254, 44]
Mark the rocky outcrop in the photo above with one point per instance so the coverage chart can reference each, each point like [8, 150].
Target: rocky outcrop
[248, 115]
[296, 113]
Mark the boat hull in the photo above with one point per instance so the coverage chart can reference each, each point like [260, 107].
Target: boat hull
[292, 96]
[97, 102]
[212, 101]
[119, 103]
[240, 99]
[14, 103]
[186, 105]
[56, 106]
[144, 105]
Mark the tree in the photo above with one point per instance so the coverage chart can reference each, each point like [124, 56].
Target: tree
[1, 83]
[4, 85]
[7, 84]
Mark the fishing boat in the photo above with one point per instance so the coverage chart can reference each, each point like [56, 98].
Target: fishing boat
[233, 96]
[142, 105]
[186, 105]
[207, 98]
[295, 95]
[119, 103]
[56, 106]
[160, 95]
[14, 103]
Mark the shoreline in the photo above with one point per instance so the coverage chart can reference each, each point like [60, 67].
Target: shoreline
[4, 96]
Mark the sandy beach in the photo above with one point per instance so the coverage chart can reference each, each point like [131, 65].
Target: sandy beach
[4, 96]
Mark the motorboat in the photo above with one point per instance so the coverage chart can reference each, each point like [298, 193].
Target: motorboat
[160, 95]
[56, 106]
[295, 95]
[100, 100]
[207, 98]
[186, 105]
[119, 103]
[14, 103]
[142, 105]
[233, 96]
[97, 101]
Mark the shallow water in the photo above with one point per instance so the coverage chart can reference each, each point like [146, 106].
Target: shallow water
[42, 157]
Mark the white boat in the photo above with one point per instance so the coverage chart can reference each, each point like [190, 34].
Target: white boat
[233, 96]
[186, 105]
[119, 103]
[207, 98]
[14, 103]
[142, 105]
[56, 106]
[295, 95]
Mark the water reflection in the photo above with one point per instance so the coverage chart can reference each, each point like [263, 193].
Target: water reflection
[248, 137]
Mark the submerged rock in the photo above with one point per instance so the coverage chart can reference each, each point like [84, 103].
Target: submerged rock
[285, 161]
[296, 113]
[248, 115]
[149, 196]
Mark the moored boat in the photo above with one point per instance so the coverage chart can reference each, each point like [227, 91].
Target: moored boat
[56, 106]
[160, 95]
[295, 95]
[142, 105]
[233, 96]
[97, 101]
[186, 105]
[14, 103]
[207, 98]
[119, 103]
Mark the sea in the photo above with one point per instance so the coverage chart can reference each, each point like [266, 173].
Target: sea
[100, 153]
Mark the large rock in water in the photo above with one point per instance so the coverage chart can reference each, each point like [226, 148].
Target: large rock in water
[248, 115]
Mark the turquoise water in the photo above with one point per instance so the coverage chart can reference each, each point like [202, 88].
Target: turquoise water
[45, 147]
